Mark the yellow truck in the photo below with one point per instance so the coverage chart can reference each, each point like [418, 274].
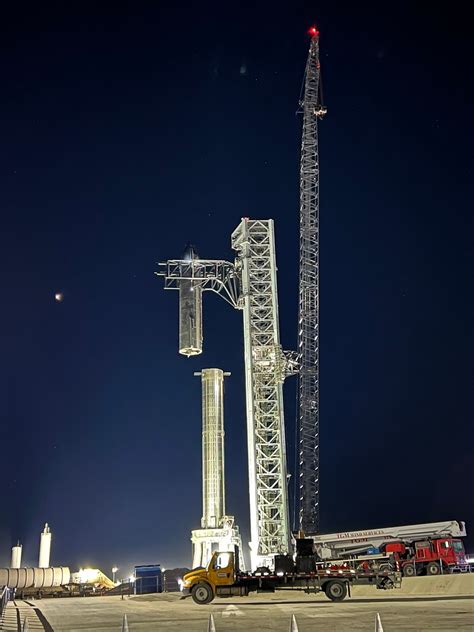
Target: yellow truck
[222, 578]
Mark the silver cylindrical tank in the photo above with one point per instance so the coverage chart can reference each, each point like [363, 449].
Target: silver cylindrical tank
[16, 556]
[35, 577]
[190, 318]
[213, 480]
[45, 547]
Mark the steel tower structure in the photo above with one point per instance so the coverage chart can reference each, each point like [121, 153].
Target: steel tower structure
[250, 284]
[308, 319]
[265, 368]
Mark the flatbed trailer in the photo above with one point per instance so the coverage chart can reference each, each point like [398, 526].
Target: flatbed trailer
[222, 579]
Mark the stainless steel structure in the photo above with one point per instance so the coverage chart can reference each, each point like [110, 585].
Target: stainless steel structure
[213, 275]
[250, 284]
[225, 538]
[190, 318]
[218, 531]
[213, 477]
[45, 547]
[17, 551]
[308, 321]
[265, 367]
[190, 312]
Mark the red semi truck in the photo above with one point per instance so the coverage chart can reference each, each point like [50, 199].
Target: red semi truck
[421, 549]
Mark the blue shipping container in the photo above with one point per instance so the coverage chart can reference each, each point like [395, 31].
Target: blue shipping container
[148, 579]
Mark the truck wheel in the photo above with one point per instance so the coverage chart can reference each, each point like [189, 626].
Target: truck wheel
[409, 570]
[202, 593]
[335, 590]
[432, 569]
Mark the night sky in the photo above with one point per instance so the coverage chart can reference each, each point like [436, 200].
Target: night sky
[127, 133]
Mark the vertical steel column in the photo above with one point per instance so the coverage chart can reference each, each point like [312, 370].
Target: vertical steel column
[213, 478]
[45, 547]
[16, 556]
[256, 264]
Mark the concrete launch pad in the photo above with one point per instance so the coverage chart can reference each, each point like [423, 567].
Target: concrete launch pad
[399, 610]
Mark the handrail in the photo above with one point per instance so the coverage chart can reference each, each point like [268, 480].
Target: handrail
[4, 598]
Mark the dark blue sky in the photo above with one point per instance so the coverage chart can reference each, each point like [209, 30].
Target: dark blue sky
[126, 133]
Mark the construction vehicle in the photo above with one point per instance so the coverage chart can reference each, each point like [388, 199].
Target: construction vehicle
[419, 549]
[223, 578]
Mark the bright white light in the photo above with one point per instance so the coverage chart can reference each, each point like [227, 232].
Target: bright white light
[114, 569]
[59, 296]
[131, 579]
[88, 575]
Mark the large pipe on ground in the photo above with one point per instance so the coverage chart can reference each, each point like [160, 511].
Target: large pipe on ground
[35, 577]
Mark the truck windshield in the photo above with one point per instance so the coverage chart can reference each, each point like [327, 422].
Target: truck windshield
[222, 561]
[458, 546]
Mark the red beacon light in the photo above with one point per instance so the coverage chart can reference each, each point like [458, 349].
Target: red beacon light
[313, 31]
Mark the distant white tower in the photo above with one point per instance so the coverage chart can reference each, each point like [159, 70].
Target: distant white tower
[45, 547]
[218, 531]
[16, 556]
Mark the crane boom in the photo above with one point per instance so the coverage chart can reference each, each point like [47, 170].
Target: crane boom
[332, 545]
[308, 321]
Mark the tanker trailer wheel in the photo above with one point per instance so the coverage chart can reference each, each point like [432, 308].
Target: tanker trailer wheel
[202, 594]
[433, 569]
[409, 570]
[336, 590]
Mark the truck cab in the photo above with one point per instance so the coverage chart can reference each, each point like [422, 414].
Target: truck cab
[203, 583]
[448, 552]
[429, 556]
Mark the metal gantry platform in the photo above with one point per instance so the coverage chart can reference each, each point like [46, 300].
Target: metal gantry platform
[250, 284]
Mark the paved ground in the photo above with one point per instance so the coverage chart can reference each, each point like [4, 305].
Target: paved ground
[19, 611]
[398, 611]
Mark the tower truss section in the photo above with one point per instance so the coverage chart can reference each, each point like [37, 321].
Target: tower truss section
[265, 369]
[308, 321]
